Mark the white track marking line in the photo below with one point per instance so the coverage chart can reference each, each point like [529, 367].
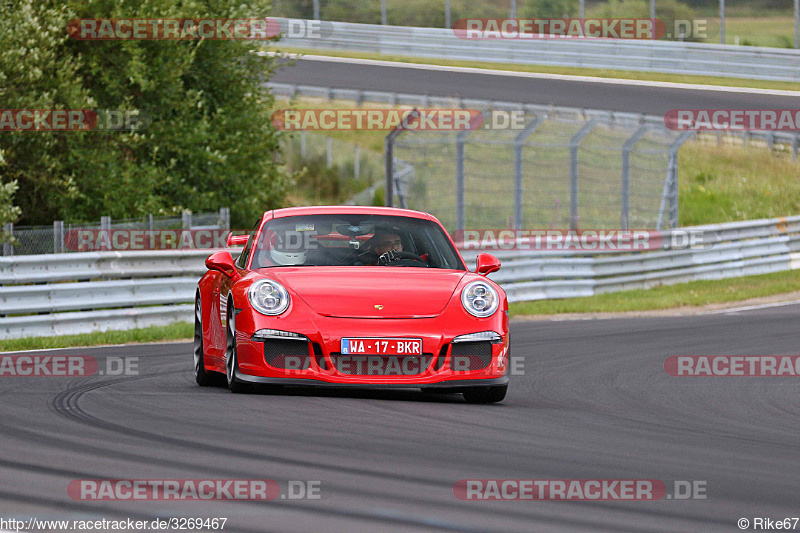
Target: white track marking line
[752, 307]
[538, 75]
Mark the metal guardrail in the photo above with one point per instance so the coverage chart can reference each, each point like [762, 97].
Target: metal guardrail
[102, 291]
[162, 284]
[725, 250]
[671, 57]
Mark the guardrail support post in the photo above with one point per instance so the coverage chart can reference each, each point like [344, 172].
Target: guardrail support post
[447, 19]
[383, 12]
[58, 236]
[8, 233]
[519, 143]
[303, 145]
[574, 143]
[186, 219]
[626, 176]
[329, 152]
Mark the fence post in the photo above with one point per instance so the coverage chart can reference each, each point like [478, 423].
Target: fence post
[225, 218]
[58, 236]
[383, 12]
[316, 10]
[670, 192]
[626, 175]
[357, 163]
[795, 144]
[303, 144]
[519, 142]
[461, 208]
[105, 224]
[447, 16]
[186, 219]
[8, 231]
[574, 143]
[329, 152]
[389, 154]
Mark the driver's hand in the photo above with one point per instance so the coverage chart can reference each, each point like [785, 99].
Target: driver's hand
[387, 258]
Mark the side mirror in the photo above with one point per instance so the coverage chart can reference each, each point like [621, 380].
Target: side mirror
[486, 264]
[222, 262]
[237, 240]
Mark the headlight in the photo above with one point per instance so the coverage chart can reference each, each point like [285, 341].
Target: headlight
[480, 299]
[268, 297]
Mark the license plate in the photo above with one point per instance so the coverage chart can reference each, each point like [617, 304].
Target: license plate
[381, 346]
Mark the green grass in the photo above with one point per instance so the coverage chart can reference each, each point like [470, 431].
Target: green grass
[172, 332]
[777, 32]
[600, 73]
[693, 294]
[729, 183]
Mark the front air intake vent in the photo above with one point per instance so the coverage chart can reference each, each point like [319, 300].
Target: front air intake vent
[471, 355]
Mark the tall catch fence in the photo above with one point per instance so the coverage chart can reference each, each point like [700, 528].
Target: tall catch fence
[560, 168]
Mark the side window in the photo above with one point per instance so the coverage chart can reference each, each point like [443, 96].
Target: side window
[242, 261]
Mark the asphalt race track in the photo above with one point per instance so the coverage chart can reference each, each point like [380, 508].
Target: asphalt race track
[572, 93]
[594, 403]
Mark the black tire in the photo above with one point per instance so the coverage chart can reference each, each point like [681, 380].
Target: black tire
[203, 377]
[231, 362]
[485, 394]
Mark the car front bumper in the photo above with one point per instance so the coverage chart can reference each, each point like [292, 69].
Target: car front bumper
[443, 363]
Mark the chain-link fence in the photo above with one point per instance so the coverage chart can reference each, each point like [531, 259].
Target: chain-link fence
[562, 169]
[31, 240]
[356, 170]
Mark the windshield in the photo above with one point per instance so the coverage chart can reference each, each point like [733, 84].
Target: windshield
[354, 240]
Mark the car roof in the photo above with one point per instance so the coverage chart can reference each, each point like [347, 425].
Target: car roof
[349, 210]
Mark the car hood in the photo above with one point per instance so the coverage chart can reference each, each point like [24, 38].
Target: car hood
[372, 292]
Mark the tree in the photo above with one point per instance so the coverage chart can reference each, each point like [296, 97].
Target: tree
[209, 141]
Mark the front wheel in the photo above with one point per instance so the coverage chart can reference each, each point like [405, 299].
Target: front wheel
[201, 375]
[231, 362]
[486, 394]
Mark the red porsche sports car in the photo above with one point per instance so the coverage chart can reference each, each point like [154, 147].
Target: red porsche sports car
[352, 296]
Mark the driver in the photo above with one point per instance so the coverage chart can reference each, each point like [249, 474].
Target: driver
[384, 240]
